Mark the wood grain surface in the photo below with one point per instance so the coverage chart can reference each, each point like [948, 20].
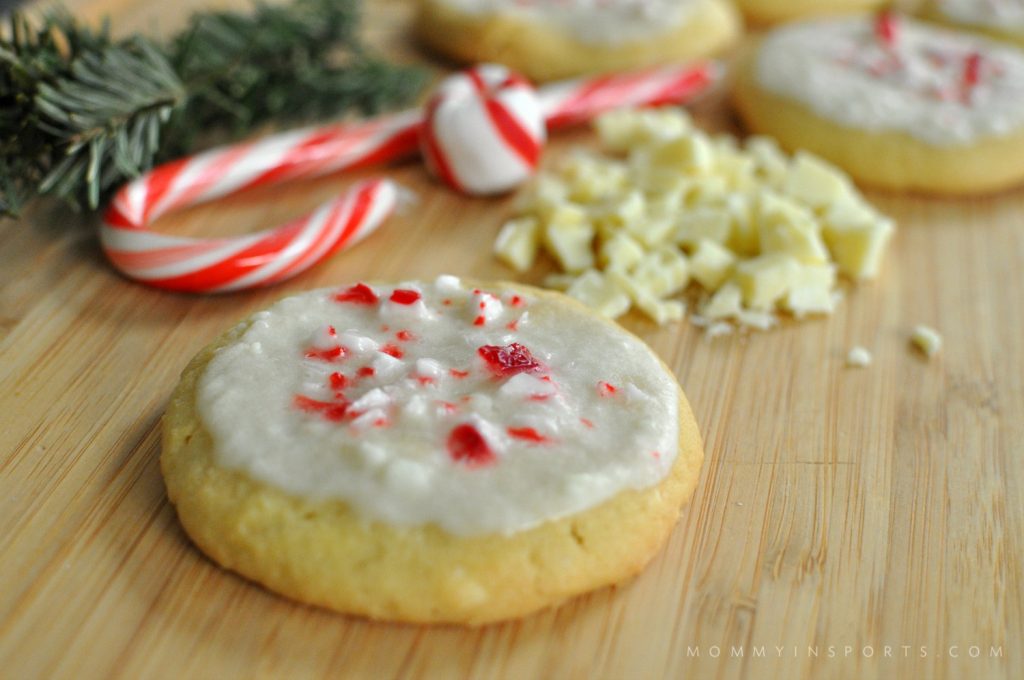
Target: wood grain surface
[848, 523]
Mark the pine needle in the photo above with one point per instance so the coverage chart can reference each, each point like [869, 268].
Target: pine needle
[81, 113]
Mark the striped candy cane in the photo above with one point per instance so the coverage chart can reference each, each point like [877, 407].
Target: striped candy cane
[226, 264]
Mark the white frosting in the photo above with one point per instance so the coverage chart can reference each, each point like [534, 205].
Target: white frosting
[591, 21]
[918, 84]
[1000, 14]
[595, 415]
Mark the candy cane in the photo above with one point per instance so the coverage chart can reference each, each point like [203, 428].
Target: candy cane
[267, 257]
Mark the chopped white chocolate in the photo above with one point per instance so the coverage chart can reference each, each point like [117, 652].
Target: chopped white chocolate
[620, 252]
[517, 243]
[759, 233]
[571, 243]
[788, 228]
[927, 340]
[726, 303]
[662, 272]
[711, 263]
[858, 357]
[814, 182]
[690, 153]
[601, 294]
[623, 129]
[812, 291]
[765, 279]
[857, 247]
[702, 224]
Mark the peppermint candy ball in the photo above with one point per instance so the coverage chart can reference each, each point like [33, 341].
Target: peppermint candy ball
[483, 130]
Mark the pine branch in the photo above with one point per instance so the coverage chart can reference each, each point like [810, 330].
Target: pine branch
[81, 113]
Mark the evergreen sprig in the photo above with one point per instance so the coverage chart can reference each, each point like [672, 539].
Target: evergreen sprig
[81, 113]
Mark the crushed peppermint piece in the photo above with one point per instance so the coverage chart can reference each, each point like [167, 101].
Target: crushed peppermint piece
[527, 434]
[405, 296]
[508, 360]
[359, 294]
[393, 350]
[887, 28]
[466, 445]
[329, 354]
[332, 411]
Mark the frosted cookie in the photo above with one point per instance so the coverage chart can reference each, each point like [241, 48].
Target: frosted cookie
[551, 40]
[429, 452]
[777, 11]
[896, 103]
[1002, 19]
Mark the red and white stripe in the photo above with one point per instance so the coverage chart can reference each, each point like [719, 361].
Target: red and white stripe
[502, 113]
[483, 130]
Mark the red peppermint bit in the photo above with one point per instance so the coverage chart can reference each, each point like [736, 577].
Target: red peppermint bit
[393, 350]
[587, 423]
[539, 397]
[332, 411]
[467, 445]
[972, 70]
[887, 28]
[479, 321]
[405, 296]
[380, 422]
[508, 360]
[483, 305]
[359, 294]
[425, 380]
[448, 406]
[517, 301]
[513, 325]
[366, 372]
[606, 389]
[331, 332]
[338, 381]
[405, 336]
[527, 434]
[656, 455]
[456, 373]
[329, 354]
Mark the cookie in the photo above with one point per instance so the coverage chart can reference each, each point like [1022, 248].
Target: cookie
[764, 12]
[1003, 19]
[429, 452]
[897, 103]
[553, 40]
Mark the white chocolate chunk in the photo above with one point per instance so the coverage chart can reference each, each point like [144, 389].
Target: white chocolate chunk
[691, 154]
[700, 224]
[571, 243]
[858, 357]
[599, 293]
[620, 252]
[927, 340]
[766, 279]
[814, 182]
[662, 272]
[622, 129]
[786, 227]
[811, 291]
[858, 247]
[726, 303]
[770, 161]
[517, 243]
[711, 263]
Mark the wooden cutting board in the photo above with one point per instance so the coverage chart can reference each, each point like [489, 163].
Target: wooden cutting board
[848, 523]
